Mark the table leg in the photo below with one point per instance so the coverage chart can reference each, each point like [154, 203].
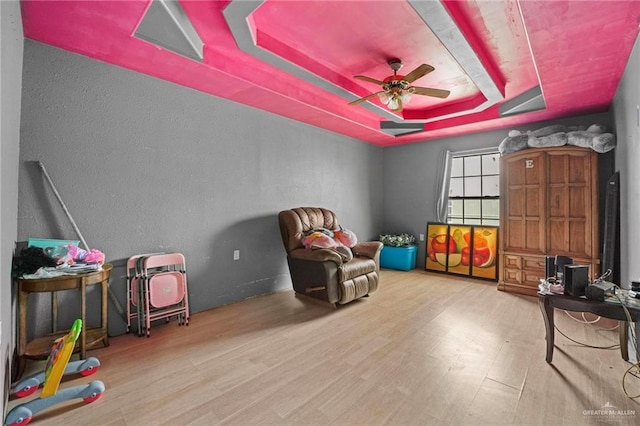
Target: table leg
[54, 312]
[623, 334]
[23, 298]
[547, 315]
[636, 329]
[104, 325]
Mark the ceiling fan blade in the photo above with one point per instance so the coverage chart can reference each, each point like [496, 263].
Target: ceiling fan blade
[369, 79]
[419, 72]
[366, 98]
[427, 91]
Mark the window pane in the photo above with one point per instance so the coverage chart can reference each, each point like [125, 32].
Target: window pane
[490, 186]
[472, 166]
[472, 187]
[455, 187]
[474, 190]
[472, 208]
[456, 167]
[456, 220]
[455, 208]
[491, 164]
[491, 209]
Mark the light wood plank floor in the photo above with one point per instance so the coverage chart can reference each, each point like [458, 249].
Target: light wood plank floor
[425, 349]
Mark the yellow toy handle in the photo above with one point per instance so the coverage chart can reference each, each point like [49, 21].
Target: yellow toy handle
[59, 358]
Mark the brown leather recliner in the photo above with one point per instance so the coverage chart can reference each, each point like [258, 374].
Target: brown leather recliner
[323, 273]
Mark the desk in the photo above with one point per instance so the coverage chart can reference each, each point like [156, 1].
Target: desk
[614, 311]
[40, 347]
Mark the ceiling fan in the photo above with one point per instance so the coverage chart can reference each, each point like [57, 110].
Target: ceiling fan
[397, 89]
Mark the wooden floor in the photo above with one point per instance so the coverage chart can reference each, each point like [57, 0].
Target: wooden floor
[425, 349]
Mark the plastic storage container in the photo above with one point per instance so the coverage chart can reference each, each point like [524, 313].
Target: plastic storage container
[46, 243]
[402, 258]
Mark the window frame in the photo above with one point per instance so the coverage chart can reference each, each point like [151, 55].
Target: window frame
[444, 207]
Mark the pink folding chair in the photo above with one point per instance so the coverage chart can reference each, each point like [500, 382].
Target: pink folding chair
[134, 291]
[164, 284]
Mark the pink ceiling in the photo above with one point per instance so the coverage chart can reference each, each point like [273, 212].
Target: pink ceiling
[575, 51]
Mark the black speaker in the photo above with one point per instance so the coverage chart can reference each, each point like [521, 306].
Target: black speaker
[554, 267]
[611, 234]
[550, 267]
[561, 262]
[576, 279]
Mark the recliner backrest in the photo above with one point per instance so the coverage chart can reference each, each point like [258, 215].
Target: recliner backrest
[295, 223]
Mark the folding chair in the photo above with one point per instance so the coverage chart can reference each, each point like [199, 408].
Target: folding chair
[162, 283]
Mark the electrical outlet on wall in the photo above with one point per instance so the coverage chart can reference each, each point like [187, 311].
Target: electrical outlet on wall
[236, 255]
[421, 237]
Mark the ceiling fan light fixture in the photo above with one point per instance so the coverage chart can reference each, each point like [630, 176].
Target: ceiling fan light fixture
[384, 98]
[394, 103]
[406, 95]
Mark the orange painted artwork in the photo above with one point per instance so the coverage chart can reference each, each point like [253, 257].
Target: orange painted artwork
[467, 250]
[437, 246]
[485, 248]
[460, 260]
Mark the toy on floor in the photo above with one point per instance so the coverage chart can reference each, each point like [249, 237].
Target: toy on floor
[30, 384]
[57, 366]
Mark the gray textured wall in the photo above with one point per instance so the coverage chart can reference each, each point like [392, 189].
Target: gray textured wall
[11, 42]
[627, 125]
[144, 165]
[411, 176]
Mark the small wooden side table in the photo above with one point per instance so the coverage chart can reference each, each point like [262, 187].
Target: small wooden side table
[39, 348]
[549, 302]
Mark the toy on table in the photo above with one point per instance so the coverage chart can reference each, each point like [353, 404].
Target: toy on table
[57, 366]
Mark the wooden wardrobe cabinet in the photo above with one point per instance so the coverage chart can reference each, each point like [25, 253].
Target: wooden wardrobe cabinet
[548, 206]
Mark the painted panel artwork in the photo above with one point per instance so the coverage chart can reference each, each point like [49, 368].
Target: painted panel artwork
[437, 246]
[460, 259]
[462, 250]
[485, 247]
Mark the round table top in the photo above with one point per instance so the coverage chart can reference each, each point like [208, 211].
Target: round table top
[63, 282]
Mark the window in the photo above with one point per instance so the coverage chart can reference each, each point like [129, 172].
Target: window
[474, 189]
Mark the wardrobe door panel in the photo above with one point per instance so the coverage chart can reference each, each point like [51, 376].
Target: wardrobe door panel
[548, 207]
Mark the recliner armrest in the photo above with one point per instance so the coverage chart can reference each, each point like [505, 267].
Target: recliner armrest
[367, 249]
[317, 255]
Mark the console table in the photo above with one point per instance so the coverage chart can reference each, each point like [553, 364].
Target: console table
[548, 302]
[39, 348]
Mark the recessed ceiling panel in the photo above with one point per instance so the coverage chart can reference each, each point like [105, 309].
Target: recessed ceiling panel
[342, 39]
[303, 56]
